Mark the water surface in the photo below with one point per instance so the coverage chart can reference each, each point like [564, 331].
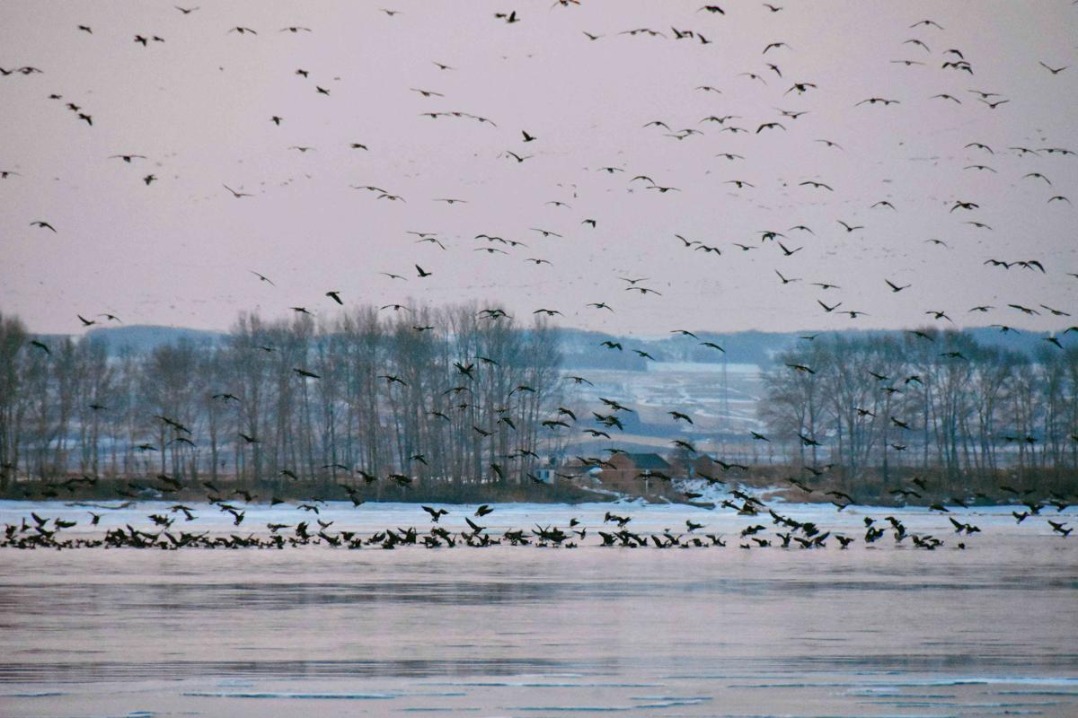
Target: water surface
[525, 631]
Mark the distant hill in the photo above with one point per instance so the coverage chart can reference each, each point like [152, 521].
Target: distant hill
[142, 339]
[585, 350]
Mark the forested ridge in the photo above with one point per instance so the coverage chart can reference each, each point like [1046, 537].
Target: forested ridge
[879, 407]
[453, 395]
[468, 398]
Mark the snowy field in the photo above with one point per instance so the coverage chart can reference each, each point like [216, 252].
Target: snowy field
[885, 629]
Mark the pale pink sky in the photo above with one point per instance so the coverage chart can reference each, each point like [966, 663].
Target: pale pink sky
[180, 251]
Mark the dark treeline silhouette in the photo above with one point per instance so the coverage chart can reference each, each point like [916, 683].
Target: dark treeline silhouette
[882, 408]
[451, 395]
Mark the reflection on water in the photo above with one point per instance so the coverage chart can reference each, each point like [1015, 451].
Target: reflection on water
[504, 631]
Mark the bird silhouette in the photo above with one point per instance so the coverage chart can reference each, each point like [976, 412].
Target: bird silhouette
[236, 194]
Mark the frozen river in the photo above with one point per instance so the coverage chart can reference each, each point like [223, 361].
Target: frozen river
[880, 630]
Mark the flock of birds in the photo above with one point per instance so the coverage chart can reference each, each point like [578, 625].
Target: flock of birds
[173, 527]
[777, 72]
[812, 221]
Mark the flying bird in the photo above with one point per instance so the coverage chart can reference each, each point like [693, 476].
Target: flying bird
[262, 277]
[236, 194]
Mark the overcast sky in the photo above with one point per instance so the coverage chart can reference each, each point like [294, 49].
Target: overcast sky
[926, 207]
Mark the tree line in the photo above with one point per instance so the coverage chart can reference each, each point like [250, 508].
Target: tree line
[453, 395]
[879, 406]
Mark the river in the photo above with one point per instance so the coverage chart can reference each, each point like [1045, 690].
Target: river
[873, 630]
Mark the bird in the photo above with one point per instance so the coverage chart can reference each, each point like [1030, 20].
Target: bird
[236, 194]
[42, 224]
[829, 308]
[262, 277]
[435, 514]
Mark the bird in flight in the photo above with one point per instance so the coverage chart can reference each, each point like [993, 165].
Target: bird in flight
[236, 194]
[43, 224]
[262, 277]
[518, 158]
[786, 280]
